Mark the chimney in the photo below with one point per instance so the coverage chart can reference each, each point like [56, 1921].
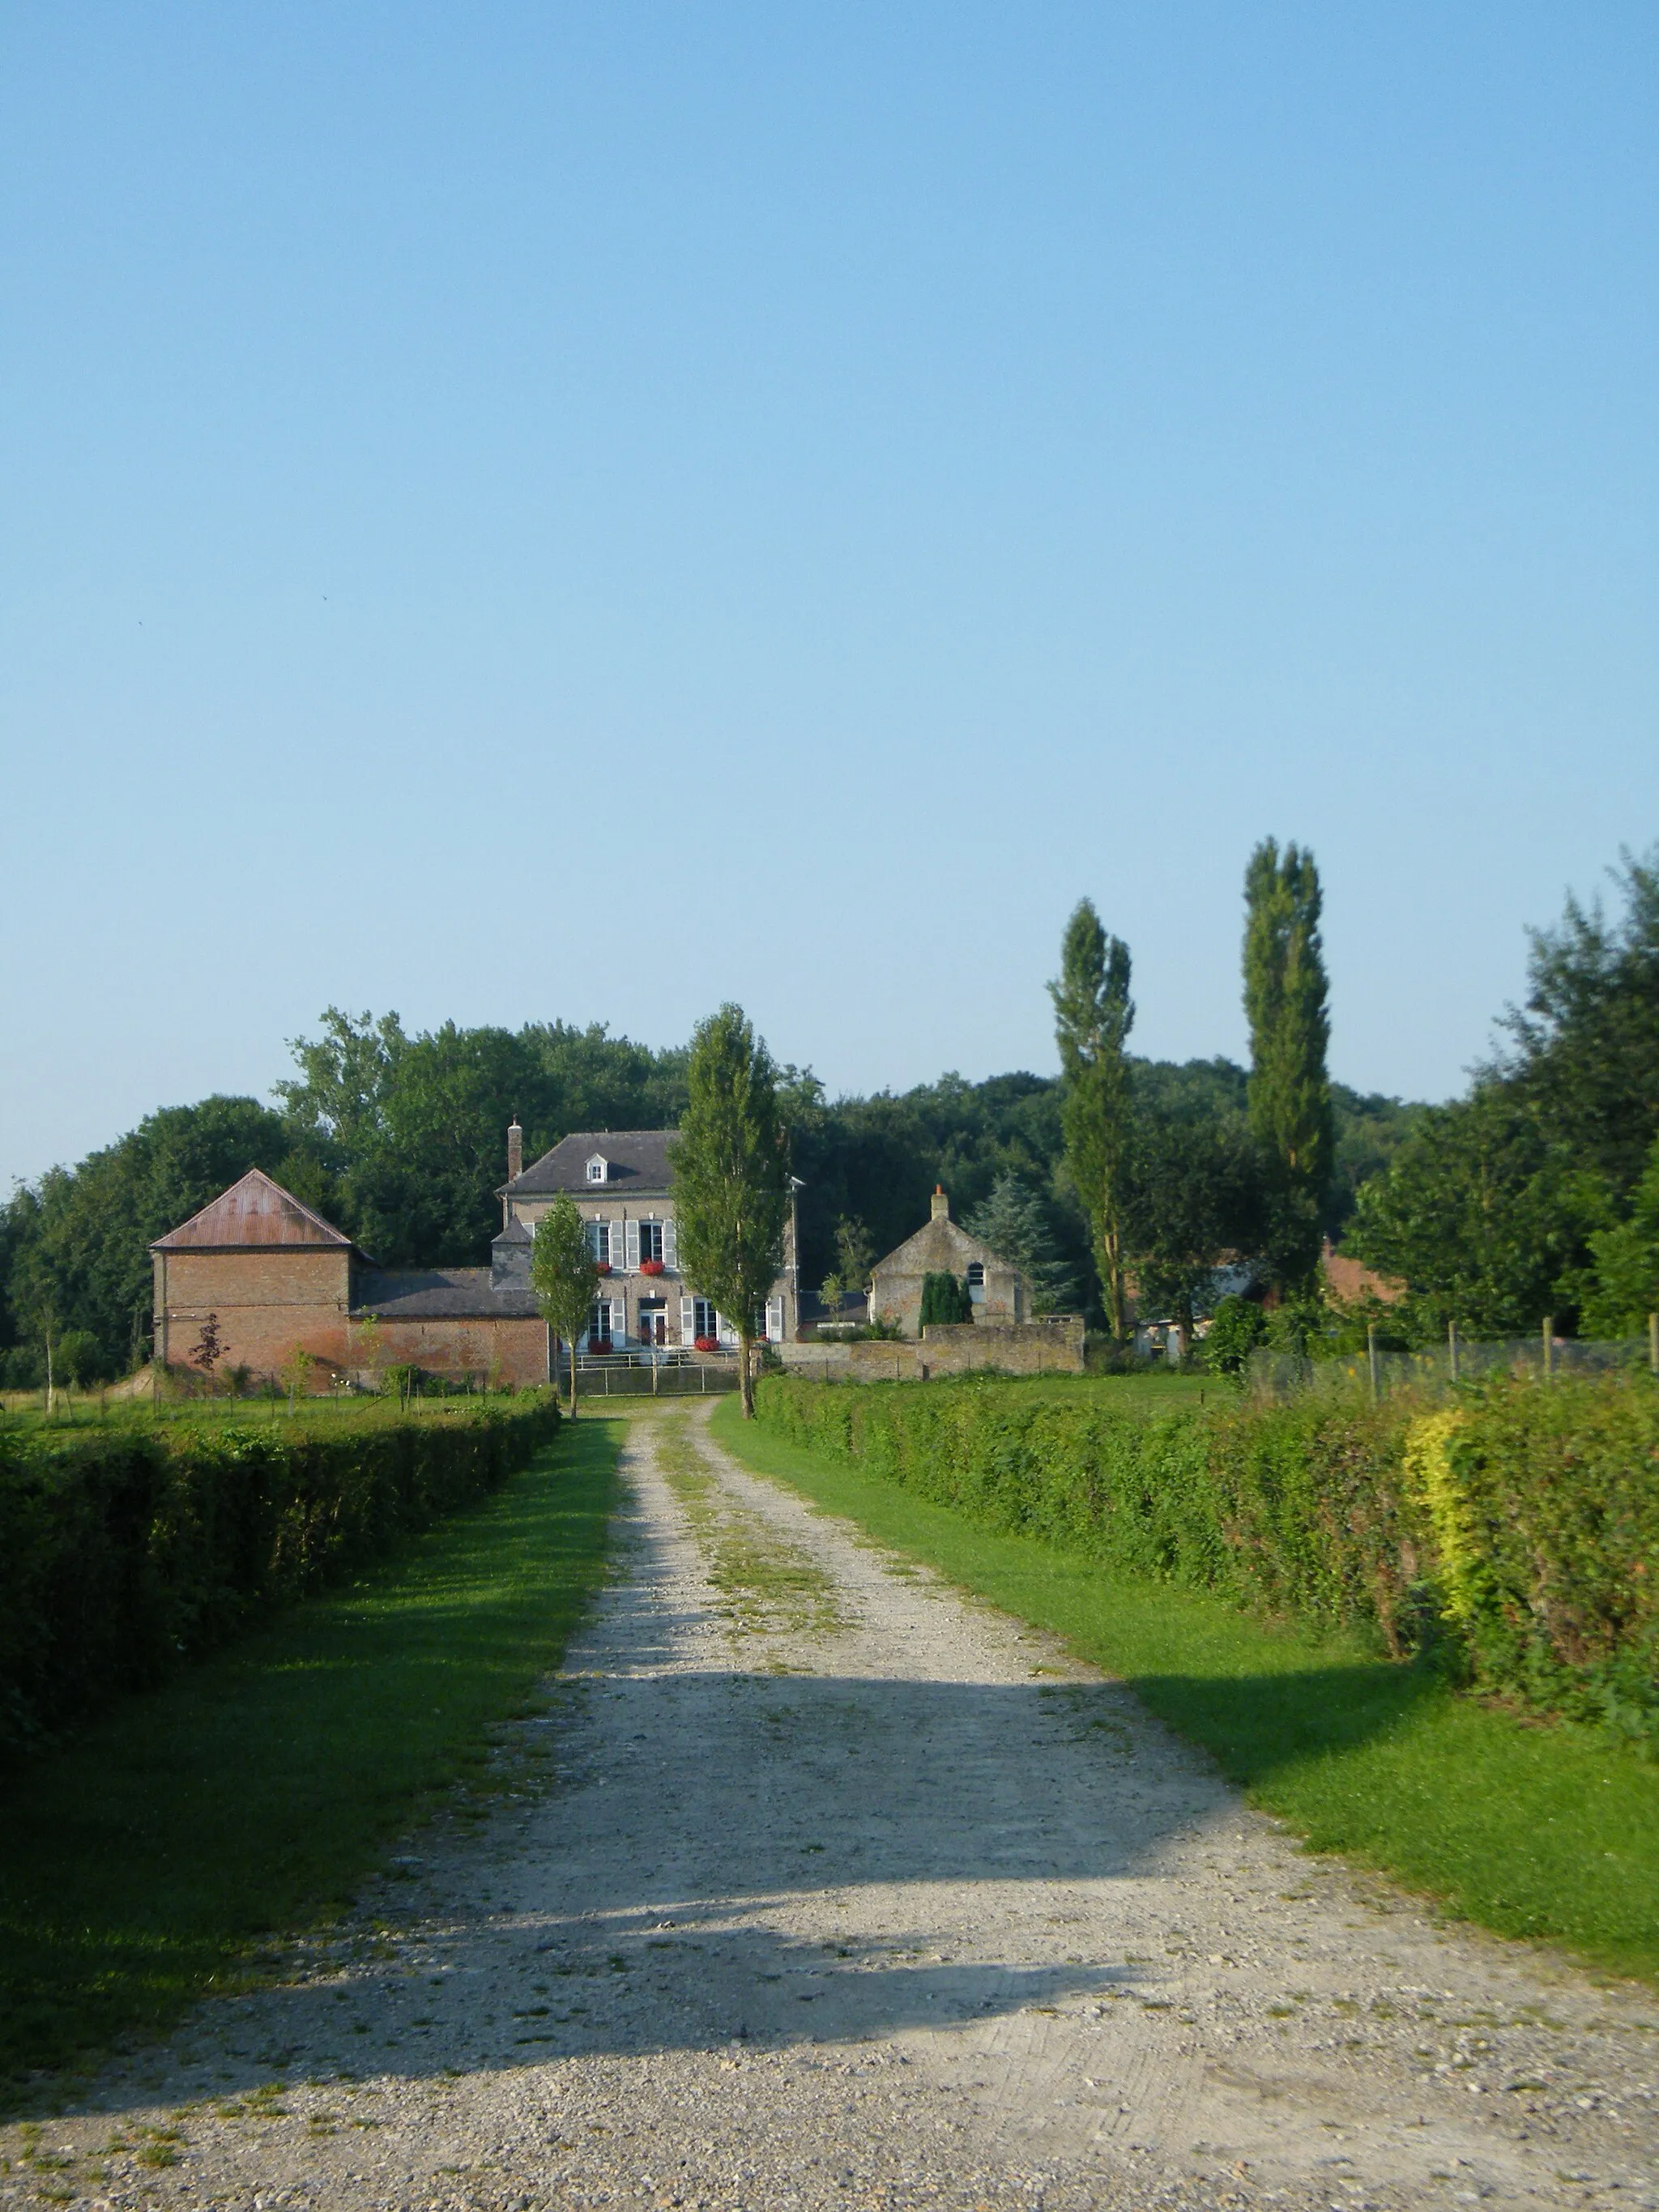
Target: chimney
[941, 1203]
[514, 1150]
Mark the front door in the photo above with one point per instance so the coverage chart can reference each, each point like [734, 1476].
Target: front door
[654, 1320]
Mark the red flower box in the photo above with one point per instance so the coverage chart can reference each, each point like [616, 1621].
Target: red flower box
[651, 1266]
[706, 1344]
[601, 1267]
[601, 1344]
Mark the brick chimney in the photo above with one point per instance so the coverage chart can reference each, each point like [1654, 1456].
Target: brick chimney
[514, 1150]
[941, 1203]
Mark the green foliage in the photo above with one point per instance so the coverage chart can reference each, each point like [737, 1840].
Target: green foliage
[1318, 1507]
[1195, 1198]
[1093, 1016]
[1527, 1198]
[1544, 1503]
[945, 1299]
[79, 1240]
[1018, 1225]
[564, 1275]
[1480, 1215]
[1290, 1093]
[1620, 1288]
[124, 1549]
[732, 1174]
[153, 1858]
[1239, 1326]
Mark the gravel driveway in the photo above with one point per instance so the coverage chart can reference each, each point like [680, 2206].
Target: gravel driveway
[817, 1884]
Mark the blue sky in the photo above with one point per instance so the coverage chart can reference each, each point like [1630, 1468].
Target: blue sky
[535, 511]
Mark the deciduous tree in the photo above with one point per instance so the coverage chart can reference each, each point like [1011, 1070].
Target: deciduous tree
[1290, 1090]
[1093, 1015]
[564, 1276]
[731, 1178]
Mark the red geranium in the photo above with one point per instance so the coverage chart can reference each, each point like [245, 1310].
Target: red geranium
[651, 1266]
[706, 1344]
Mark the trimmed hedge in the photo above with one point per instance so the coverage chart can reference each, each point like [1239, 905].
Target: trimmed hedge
[1516, 1531]
[126, 1550]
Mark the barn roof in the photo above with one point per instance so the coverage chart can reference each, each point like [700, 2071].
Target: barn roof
[254, 1212]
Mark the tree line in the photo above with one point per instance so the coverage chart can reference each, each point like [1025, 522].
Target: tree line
[398, 1139]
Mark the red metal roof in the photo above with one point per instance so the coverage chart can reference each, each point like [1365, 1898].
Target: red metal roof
[254, 1211]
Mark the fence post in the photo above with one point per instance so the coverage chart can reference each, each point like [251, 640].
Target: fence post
[1549, 1345]
[1371, 1356]
[1451, 1348]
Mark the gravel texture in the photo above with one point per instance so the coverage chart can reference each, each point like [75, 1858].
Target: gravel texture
[816, 1884]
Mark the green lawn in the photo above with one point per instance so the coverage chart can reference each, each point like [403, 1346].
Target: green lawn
[1532, 1831]
[146, 1860]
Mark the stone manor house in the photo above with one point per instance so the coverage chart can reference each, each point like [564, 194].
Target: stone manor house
[277, 1278]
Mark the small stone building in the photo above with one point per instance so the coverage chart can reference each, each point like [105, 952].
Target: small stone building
[996, 1290]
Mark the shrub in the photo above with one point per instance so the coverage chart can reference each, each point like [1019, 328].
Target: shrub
[1524, 1516]
[1239, 1326]
[125, 1550]
[945, 1298]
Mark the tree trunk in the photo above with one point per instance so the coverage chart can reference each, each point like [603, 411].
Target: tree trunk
[745, 1377]
[570, 1346]
[51, 1395]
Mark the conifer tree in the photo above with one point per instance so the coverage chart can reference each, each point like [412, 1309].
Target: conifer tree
[732, 1178]
[1093, 1015]
[1290, 1090]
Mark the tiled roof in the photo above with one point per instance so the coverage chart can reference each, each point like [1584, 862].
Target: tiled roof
[440, 1294]
[638, 1161]
[254, 1212]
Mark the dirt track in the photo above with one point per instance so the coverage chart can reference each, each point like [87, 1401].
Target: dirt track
[845, 1890]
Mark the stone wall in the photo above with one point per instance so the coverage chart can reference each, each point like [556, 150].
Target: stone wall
[1050, 1347]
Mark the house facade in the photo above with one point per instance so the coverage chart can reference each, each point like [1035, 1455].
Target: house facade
[997, 1290]
[258, 1275]
[622, 1182]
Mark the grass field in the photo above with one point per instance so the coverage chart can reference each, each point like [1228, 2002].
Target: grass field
[149, 1859]
[1533, 1830]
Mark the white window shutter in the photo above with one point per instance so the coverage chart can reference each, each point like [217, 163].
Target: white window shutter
[619, 1319]
[775, 1321]
[632, 1233]
[688, 1322]
[671, 1246]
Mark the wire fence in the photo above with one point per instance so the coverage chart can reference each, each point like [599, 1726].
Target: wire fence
[1436, 1372]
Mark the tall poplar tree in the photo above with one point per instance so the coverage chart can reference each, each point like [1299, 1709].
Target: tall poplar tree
[1290, 1091]
[1093, 1015]
[731, 1178]
[564, 1276]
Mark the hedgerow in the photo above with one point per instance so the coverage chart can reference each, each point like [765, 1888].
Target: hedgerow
[125, 1552]
[1514, 1533]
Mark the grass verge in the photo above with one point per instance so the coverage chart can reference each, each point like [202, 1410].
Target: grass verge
[1532, 1831]
[146, 1861]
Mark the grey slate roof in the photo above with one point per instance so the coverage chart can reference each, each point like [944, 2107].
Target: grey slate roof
[638, 1158]
[440, 1294]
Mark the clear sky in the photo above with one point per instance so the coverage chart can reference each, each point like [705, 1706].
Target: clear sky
[525, 511]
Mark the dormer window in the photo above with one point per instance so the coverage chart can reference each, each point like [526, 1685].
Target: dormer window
[599, 1168]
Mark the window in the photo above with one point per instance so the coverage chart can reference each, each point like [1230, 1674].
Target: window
[977, 1282]
[598, 1242]
[598, 1322]
[705, 1321]
[650, 1242]
[597, 1169]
